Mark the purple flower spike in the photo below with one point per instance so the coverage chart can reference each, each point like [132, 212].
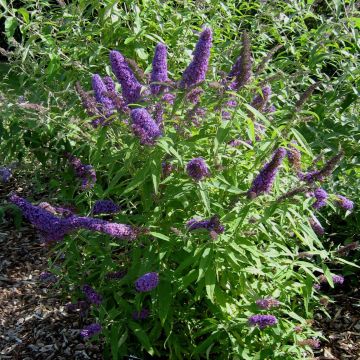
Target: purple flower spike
[141, 315]
[100, 88]
[197, 169]
[105, 207]
[144, 127]
[267, 303]
[84, 172]
[320, 175]
[91, 295]
[90, 330]
[212, 224]
[54, 228]
[344, 202]
[196, 71]
[159, 69]
[262, 321]
[241, 70]
[130, 86]
[263, 182]
[259, 101]
[316, 226]
[109, 83]
[320, 196]
[294, 156]
[147, 282]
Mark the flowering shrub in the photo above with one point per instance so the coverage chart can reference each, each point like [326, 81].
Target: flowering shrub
[205, 255]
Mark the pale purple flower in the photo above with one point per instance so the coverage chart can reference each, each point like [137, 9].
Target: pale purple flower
[267, 303]
[344, 202]
[196, 71]
[169, 98]
[159, 69]
[321, 196]
[263, 182]
[197, 169]
[144, 127]
[147, 282]
[337, 279]
[90, 330]
[129, 84]
[262, 321]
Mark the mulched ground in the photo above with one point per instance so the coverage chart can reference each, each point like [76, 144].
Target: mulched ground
[34, 323]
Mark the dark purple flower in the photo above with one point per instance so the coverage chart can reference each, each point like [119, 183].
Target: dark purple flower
[212, 224]
[86, 173]
[197, 169]
[144, 127]
[270, 109]
[109, 83]
[320, 195]
[79, 305]
[115, 275]
[141, 315]
[167, 168]
[294, 156]
[196, 71]
[91, 295]
[263, 182]
[90, 330]
[90, 105]
[320, 175]
[262, 321]
[105, 207]
[194, 95]
[159, 69]
[130, 86]
[100, 89]
[316, 226]
[147, 282]
[260, 100]
[267, 303]
[241, 70]
[5, 174]
[344, 202]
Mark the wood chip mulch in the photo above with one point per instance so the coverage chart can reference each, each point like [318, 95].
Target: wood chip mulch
[34, 323]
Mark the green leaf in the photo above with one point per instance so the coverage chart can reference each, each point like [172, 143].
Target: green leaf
[165, 299]
[160, 236]
[11, 24]
[24, 14]
[142, 336]
[210, 282]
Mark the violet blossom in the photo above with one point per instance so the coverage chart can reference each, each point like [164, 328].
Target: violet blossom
[159, 69]
[147, 282]
[197, 169]
[144, 127]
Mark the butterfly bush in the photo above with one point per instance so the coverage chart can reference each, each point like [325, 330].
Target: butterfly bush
[217, 238]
